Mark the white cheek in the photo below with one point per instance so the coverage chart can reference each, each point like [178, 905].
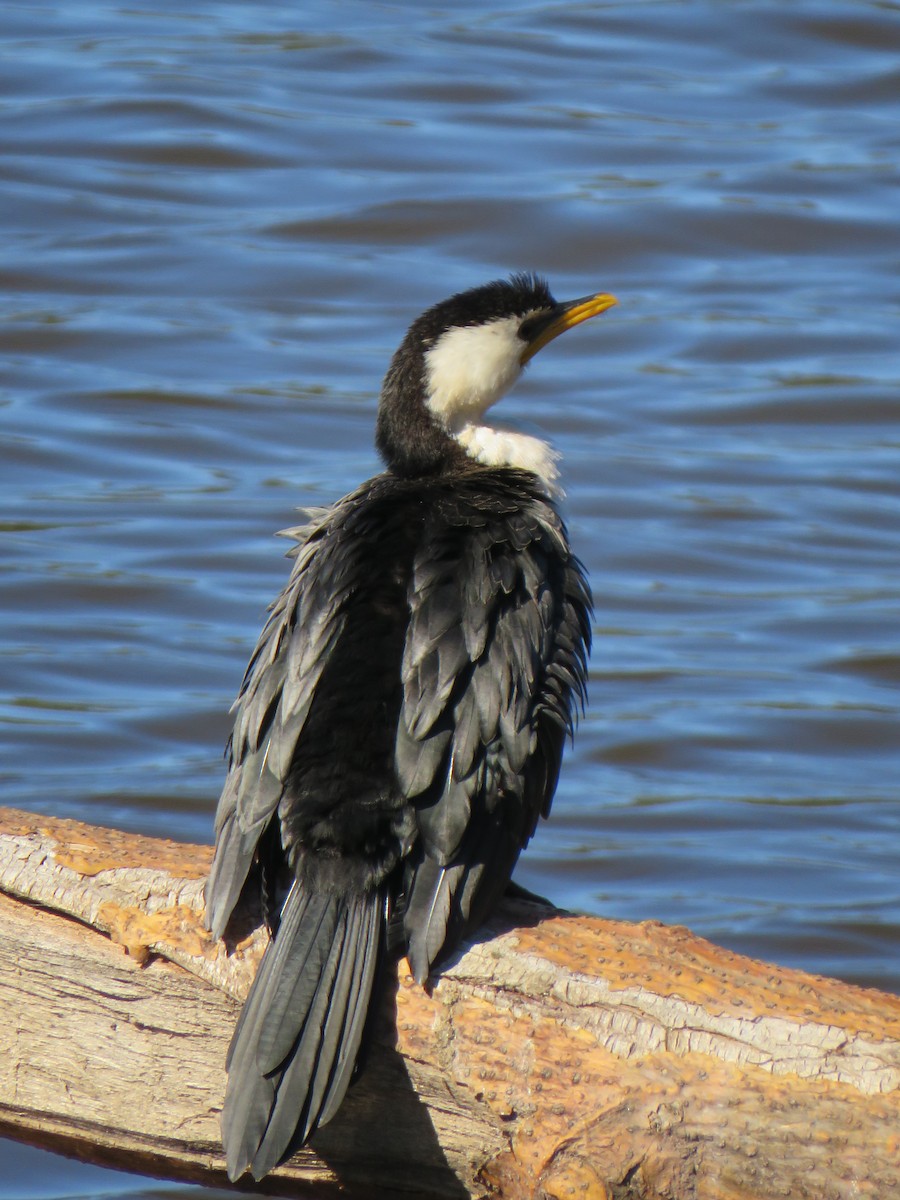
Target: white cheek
[470, 368]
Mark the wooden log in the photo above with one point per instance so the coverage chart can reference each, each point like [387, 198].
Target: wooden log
[558, 1057]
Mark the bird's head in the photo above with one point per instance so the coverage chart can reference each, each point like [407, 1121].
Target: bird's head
[458, 358]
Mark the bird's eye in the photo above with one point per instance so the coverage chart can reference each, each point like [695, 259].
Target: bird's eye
[531, 325]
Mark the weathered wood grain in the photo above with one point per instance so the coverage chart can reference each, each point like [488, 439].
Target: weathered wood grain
[560, 1056]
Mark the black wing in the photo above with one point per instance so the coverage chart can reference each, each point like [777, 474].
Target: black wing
[312, 793]
[279, 687]
[494, 666]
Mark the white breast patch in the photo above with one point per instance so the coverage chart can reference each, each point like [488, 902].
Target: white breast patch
[502, 448]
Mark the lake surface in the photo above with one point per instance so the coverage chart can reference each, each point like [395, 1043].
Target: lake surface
[219, 219]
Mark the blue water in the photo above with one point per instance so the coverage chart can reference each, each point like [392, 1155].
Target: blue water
[220, 218]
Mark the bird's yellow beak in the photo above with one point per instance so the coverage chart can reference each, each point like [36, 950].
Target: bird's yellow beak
[566, 316]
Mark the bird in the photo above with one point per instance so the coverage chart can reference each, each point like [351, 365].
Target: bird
[401, 724]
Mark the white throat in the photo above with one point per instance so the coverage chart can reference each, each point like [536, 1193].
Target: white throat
[467, 370]
[503, 448]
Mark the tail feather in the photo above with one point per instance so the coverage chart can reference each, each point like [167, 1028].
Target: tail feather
[307, 1071]
[313, 956]
[354, 1012]
[298, 1037]
[271, 969]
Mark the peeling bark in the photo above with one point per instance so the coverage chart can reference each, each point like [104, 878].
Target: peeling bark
[560, 1056]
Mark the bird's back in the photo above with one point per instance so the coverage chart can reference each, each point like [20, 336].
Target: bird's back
[398, 734]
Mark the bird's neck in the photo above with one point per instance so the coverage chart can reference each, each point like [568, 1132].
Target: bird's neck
[414, 442]
[420, 435]
[410, 438]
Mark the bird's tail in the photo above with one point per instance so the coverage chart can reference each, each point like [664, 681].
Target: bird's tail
[296, 1042]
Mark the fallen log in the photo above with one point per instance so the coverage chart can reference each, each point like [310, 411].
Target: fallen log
[559, 1056]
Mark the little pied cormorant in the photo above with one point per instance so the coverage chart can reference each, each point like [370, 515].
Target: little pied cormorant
[400, 726]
